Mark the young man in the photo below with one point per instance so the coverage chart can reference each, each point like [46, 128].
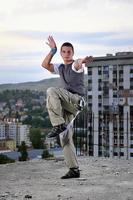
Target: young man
[63, 103]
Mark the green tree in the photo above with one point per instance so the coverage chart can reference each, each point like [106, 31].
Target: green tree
[23, 150]
[36, 138]
[5, 159]
[46, 154]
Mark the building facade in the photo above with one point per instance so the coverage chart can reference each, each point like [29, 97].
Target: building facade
[23, 134]
[12, 133]
[110, 105]
[2, 131]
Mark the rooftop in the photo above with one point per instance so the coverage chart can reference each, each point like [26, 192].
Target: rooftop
[101, 179]
[120, 58]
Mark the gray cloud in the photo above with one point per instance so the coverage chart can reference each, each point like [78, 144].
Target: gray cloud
[48, 6]
[30, 67]
[99, 38]
[22, 59]
[23, 55]
[122, 1]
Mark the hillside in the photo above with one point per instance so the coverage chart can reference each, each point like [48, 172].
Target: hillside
[38, 85]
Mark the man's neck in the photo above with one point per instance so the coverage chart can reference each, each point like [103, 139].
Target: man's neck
[68, 62]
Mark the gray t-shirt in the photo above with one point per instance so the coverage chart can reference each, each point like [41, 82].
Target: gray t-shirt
[70, 79]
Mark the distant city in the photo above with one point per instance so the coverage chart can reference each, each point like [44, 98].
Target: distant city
[108, 118]
[19, 111]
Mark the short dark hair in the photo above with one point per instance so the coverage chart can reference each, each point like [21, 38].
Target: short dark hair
[67, 44]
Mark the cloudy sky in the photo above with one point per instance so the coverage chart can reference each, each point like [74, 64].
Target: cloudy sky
[95, 27]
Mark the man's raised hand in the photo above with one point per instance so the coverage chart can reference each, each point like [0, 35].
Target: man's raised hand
[51, 43]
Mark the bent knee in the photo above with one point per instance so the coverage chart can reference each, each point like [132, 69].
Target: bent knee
[51, 91]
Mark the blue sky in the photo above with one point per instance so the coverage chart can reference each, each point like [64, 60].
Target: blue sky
[95, 27]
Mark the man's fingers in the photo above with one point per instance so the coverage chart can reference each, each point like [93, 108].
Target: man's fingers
[51, 42]
[47, 43]
[51, 39]
[89, 59]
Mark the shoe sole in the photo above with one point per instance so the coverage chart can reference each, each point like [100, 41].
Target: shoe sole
[70, 125]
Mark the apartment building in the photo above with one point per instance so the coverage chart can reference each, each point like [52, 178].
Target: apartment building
[110, 105]
[14, 131]
[23, 134]
[7, 145]
[2, 130]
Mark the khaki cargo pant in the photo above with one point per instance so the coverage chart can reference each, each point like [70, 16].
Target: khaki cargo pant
[62, 106]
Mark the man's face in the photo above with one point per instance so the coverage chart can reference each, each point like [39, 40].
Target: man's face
[66, 54]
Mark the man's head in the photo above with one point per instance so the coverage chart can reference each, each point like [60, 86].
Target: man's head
[67, 44]
[67, 52]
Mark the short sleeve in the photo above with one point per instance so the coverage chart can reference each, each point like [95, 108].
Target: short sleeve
[56, 68]
[78, 71]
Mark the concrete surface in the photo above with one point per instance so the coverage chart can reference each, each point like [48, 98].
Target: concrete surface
[101, 179]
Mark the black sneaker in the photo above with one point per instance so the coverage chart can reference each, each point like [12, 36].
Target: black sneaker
[72, 173]
[56, 130]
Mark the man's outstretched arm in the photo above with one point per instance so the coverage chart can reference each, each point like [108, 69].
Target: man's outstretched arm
[47, 60]
[78, 63]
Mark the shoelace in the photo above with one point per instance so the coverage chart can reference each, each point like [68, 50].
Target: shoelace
[55, 128]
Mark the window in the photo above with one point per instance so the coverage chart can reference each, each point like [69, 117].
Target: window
[131, 70]
[121, 153]
[89, 98]
[131, 137]
[120, 67]
[131, 154]
[100, 71]
[89, 81]
[89, 86]
[131, 125]
[115, 134]
[106, 68]
[89, 71]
